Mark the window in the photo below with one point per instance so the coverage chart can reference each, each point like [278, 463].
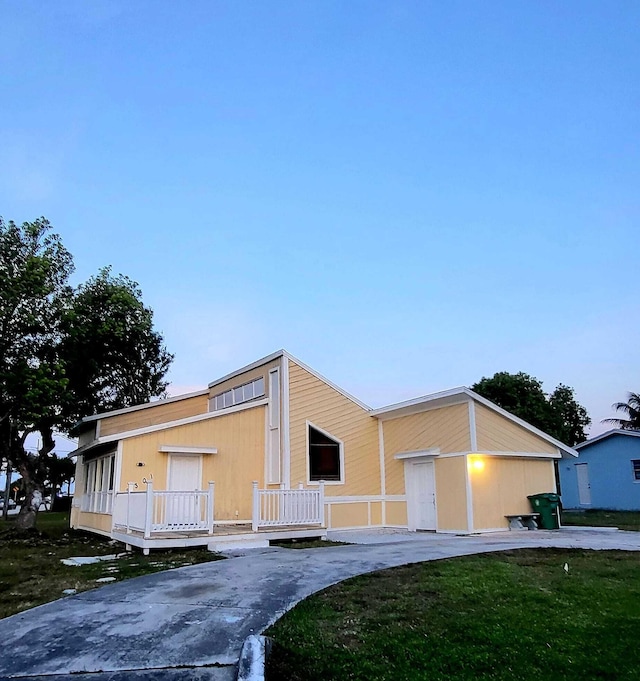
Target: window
[325, 456]
[98, 484]
[239, 394]
[636, 469]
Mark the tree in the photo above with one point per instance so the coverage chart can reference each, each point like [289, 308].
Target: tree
[113, 357]
[632, 410]
[65, 353]
[557, 414]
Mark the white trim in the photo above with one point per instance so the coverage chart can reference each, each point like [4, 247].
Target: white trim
[194, 451]
[341, 454]
[171, 424]
[117, 472]
[473, 432]
[423, 400]
[365, 497]
[469, 490]
[606, 434]
[449, 397]
[418, 454]
[249, 367]
[383, 470]
[325, 380]
[138, 407]
[521, 455]
[286, 432]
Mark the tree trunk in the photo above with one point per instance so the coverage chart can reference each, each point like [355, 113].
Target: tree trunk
[29, 510]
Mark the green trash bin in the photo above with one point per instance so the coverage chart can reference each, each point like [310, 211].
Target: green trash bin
[546, 504]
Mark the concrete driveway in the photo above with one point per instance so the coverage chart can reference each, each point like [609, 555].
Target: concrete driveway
[196, 618]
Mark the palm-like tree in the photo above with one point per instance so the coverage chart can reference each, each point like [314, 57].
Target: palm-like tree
[632, 409]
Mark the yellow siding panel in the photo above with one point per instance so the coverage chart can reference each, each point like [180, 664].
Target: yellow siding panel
[151, 416]
[496, 433]
[96, 521]
[501, 487]
[376, 513]
[349, 515]
[446, 428]
[312, 399]
[397, 513]
[246, 377]
[451, 493]
[240, 440]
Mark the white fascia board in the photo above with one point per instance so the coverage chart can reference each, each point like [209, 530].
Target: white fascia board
[532, 429]
[180, 449]
[325, 380]
[138, 407]
[418, 454]
[424, 400]
[608, 433]
[524, 455]
[248, 367]
[182, 422]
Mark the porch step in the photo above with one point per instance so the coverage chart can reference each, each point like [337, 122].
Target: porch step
[235, 543]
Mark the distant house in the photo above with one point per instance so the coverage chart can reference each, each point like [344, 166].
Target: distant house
[276, 450]
[606, 473]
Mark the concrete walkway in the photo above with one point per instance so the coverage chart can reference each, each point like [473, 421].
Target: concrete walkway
[198, 617]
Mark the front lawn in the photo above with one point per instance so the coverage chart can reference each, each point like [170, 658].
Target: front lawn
[31, 572]
[624, 520]
[498, 617]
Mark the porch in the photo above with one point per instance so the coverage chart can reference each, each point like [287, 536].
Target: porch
[171, 519]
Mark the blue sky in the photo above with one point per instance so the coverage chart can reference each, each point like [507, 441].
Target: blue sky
[406, 195]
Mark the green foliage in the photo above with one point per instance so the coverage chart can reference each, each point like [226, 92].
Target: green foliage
[632, 410]
[65, 353]
[113, 357]
[557, 414]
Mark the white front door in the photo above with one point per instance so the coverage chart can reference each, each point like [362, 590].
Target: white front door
[421, 495]
[184, 473]
[584, 488]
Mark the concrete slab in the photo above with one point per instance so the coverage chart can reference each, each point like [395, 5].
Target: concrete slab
[200, 616]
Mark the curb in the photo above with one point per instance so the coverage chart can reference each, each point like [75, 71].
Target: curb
[253, 658]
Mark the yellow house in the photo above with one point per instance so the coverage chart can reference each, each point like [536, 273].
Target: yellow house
[276, 450]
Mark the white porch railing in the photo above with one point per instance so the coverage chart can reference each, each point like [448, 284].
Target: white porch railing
[97, 502]
[273, 507]
[164, 511]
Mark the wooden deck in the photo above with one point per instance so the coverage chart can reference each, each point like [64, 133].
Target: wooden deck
[224, 537]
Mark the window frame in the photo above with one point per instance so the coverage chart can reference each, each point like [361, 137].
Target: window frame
[249, 391]
[635, 470]
[326, 433]
[99, 484]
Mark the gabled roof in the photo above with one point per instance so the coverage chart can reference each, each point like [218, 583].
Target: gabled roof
[461, 395]
[283, 353]
[607, 434]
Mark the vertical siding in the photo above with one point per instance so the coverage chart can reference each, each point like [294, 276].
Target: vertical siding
[496, 433]
[151, 416]
[451, 493]
[239, 439]
[376, 513]
[312, 399]
[446, 428]
[96, 521]
[502, 487]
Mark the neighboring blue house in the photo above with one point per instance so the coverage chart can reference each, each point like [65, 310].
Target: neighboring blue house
[606, 473]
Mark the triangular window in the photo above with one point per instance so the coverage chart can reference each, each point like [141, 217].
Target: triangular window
[325, 455]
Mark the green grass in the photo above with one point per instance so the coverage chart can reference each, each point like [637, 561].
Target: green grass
[31, 572]
[505, 616]
[624, 520]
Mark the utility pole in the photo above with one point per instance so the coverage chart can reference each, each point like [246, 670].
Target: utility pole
[7, 490]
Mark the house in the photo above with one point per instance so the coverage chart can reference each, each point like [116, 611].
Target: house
[606, 474]
[276, 450]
